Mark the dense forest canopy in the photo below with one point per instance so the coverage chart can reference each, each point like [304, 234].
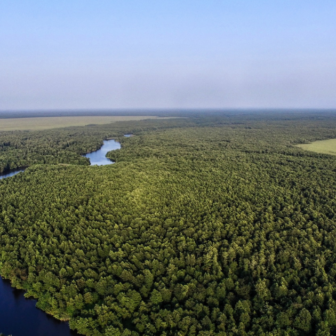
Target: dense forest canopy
[211, 225]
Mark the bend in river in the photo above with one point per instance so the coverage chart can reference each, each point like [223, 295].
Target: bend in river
[99, 157]
[12, 173]
[18, 315]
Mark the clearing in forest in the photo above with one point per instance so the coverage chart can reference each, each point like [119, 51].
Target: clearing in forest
[323, 146]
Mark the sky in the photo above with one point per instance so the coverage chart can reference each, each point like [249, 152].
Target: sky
[138, 54]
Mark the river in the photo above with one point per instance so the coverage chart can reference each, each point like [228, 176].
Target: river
[12, 173]
[99, 157]
[18, 315]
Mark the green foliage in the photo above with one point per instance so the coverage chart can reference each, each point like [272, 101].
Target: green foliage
[19, 149]
[211, 226]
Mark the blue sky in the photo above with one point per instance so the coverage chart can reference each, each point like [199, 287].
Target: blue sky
[78, 54]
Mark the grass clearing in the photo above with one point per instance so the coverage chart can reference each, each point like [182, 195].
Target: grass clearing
[323, 146]
[41, 123]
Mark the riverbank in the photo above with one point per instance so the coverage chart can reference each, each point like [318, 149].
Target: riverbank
[14, 307]
[12, 173]
[14, 304]
[99, 157]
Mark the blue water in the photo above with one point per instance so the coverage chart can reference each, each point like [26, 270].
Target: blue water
[2, 176]
[99, 157]
[128, 135]
[20, 317]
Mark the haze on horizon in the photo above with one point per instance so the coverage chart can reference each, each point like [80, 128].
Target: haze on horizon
[82, 54]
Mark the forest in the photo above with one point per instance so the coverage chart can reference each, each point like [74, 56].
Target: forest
[216, 224]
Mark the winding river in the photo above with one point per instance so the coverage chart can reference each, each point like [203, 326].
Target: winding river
[18, 315]
[99, 157]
